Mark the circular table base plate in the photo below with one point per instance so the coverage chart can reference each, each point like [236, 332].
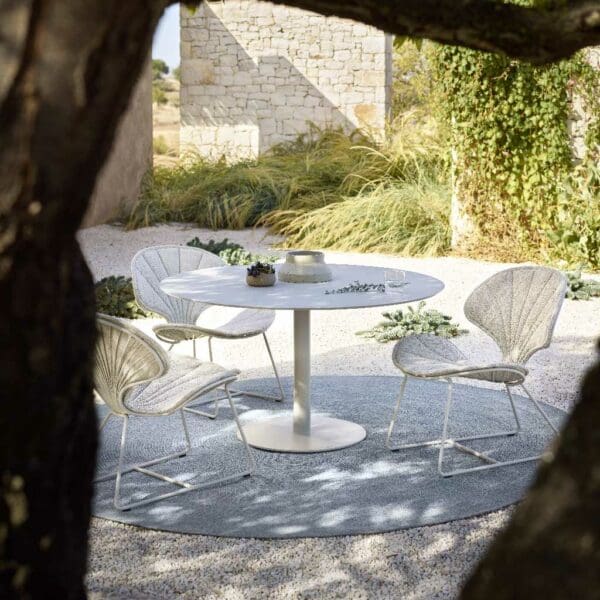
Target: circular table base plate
[277, 434]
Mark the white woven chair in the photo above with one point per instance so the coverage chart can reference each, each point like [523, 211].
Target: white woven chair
[134, 377]
[151, 265]
[518, 309]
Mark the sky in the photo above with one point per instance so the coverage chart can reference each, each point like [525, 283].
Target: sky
[166, 38]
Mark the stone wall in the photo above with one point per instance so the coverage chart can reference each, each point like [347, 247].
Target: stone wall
[118, 183]
[254, 74]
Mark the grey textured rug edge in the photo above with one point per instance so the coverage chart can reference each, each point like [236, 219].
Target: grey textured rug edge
[298, 496]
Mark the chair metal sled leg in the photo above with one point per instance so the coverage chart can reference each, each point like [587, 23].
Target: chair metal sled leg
[236, 393]
[183, 485]
[535, 296]
[446, 442]
[493, 463]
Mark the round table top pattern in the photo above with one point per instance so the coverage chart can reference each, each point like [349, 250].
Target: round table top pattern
[226, 286]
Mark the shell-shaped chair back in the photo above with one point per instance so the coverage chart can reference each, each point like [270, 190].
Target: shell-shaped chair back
[518, 309]
[125, 357]
[151, 265]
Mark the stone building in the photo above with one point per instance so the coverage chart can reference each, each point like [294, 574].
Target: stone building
[255, 74]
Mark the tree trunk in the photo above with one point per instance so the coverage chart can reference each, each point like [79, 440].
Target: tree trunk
[551, 547]
[68, 68]
[540, 34]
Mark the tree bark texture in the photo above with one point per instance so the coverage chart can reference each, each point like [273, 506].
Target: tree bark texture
[67, 70]
[551, 547]
[537, 35]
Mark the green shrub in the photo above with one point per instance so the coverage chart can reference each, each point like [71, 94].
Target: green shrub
[581, 289]
[159, 68]
[158, 93]
[230, 252]
[317, 170]
[214, 247]
[115, 297]
[574, 232]
[159, 145]
[412, 83]
[243, 257]
[400, 324]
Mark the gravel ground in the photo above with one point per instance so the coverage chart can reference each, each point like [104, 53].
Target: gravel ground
[421, 563]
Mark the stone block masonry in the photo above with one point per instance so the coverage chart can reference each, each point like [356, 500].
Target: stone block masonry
[255, 74]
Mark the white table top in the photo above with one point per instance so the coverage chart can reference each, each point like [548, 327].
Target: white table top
[226, 286]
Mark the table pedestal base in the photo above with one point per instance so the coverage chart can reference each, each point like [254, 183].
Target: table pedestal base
[277, 434]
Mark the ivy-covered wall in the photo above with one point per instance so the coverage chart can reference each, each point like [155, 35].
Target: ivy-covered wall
[513, 163]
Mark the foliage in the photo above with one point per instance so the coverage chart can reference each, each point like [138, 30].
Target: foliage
[581, 289]
[257, 268]
[115, 297]
[214, 247]
[159, 95]
[575, 233]
[508, 128]
[159, 68]
[412, 218]
[358, 287]
[412, 84]
[159, 145]
[230, 252]
[284, 187]
[243, 257]
[177, 73]
[400, 324]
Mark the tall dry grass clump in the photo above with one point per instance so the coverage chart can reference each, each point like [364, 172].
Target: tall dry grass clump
[400, 204]
[324, 189]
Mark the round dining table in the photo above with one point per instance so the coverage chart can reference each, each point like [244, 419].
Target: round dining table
[300, 431]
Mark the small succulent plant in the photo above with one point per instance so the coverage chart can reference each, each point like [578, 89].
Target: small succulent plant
[400, 323]
[115, 297]
[581, 289]
[258, 268]
[357, 286]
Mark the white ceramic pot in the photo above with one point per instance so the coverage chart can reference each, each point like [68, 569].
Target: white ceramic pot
[304, 266]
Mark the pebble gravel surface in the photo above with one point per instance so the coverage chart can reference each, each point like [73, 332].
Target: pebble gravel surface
[416, 564]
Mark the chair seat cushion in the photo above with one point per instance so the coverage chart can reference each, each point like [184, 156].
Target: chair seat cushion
[173, 333]
[247, 323]
[431, 356]
[186, 379]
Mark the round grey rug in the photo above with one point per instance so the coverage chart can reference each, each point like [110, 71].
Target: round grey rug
[361, 489]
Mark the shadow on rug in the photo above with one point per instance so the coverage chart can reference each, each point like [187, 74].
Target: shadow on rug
[360, 489]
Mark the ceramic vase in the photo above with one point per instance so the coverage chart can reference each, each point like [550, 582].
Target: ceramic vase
[304, 266]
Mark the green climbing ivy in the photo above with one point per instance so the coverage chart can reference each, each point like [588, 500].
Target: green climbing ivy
[512, 149]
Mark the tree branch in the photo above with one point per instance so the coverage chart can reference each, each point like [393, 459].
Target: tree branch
[536, 35]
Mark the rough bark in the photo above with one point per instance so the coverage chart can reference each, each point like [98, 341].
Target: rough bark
[68, 68]
[537, 35]
[551, 547]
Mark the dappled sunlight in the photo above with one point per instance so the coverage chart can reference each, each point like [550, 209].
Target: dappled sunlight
[363, 488]
[423, 562]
